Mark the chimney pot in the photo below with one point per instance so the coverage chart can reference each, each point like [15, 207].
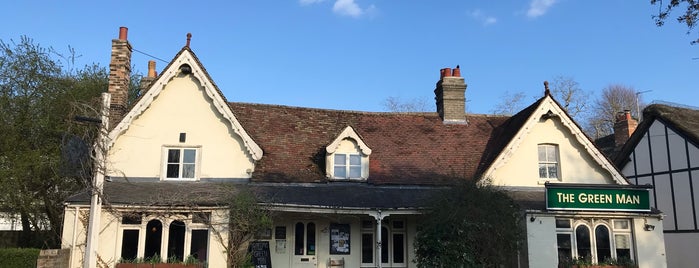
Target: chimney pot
[456, 72]
[123, 33]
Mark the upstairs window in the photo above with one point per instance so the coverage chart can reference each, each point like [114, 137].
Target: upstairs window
[548, 162]
[347, 157]
[348, 166]
[180, 163]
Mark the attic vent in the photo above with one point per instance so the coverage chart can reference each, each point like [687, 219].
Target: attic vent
[185, 69]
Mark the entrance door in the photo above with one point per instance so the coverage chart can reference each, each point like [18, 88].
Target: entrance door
[304, 255]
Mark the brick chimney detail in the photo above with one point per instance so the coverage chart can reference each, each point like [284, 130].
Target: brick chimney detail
[146, 81]
[450, 96]
[119, 77]
[623, 128]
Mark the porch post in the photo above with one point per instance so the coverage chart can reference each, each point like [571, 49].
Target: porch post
[379, 217]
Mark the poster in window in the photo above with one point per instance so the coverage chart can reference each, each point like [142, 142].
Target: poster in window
[339, 239]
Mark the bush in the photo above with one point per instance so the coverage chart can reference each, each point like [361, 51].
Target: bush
[19, 257]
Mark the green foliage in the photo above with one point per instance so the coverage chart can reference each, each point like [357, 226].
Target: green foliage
[469, 226]
[19, 257]
[247, 218]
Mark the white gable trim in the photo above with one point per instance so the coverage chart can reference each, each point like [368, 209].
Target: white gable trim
[186, 57]
[546, 105]
[348, 133]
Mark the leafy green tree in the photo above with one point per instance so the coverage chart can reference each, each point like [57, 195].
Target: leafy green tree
[36, 100]
[470, 226]
[689, 17]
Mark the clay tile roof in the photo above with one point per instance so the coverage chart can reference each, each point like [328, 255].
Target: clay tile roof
[407, 148]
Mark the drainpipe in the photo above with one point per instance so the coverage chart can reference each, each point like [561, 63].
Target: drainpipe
[379, 217]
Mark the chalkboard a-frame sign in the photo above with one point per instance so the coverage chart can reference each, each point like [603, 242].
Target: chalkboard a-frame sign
[260, 254]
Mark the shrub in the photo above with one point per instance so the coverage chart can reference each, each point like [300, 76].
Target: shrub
[19, 257]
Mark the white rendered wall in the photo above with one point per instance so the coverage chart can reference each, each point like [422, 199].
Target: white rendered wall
[181, 107]
[575, 163]
[541, 241]
[650, 245]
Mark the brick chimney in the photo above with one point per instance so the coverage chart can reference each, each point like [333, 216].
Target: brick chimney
[450, 96]
[119, 77]
[146, 81]
[623, 128]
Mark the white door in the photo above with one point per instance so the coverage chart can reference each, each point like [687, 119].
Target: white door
[304, 253]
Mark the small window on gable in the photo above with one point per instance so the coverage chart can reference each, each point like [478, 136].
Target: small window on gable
[548, 162]
[347, 157]
[180, 163]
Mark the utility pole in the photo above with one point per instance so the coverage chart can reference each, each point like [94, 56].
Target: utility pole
[97, 185]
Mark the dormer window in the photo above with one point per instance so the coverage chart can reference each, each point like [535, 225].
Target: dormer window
[347, 157]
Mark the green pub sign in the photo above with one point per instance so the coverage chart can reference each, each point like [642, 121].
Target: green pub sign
[597, 198]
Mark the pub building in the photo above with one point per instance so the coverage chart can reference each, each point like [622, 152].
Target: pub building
[346, 188]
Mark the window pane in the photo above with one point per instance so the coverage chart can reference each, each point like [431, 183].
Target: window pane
[582, 237]
[621, 224]
[551, 153]
[542, 153]
[565, 252]
[384, 245]
[200, 239]
[542, 171]
[189, 156]
[188, 171]
[154, 232]
[623, 247]
[175, 244]
[131, 219]
[340, 159]
[398, 251]
[311, 239]
[367, 248]
[562, 223]
[173, 170]
[553, 171]
[298, 239]
[340, 172]
[129, 244]
[604, 249]
[355, 172]
[355, 159]
[173, 156]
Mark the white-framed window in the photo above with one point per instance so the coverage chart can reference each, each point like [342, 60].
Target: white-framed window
[347, 157]
[184, 235]
[548, 162]
[180, 163]
[393, 243]
[347, 166]
[596, 240]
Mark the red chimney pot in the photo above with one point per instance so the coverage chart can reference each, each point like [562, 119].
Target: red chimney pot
[456, 72]
[123, 33]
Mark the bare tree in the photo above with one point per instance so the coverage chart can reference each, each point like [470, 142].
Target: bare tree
[396, 104]
[509, 104]
[615, 98]
[688, 17]
[573, 98]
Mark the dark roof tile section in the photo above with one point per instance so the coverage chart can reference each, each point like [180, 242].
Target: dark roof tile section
[407, 148]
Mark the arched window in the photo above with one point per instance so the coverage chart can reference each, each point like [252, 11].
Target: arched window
[305, 239]
[582, 239]
[154, 233]
[175, 244]
[602, 242]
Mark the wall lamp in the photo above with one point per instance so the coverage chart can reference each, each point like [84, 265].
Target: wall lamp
[648, 227]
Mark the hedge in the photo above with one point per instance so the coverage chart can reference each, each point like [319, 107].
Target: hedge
[19, 257]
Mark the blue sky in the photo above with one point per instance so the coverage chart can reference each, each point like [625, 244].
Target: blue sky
[353, 54]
